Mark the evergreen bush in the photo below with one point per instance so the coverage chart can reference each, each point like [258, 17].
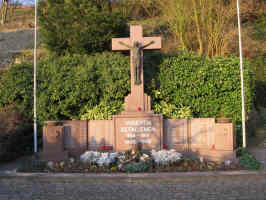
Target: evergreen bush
[16, 89]
[71, 85]
[94, 87]
[79, 26]
[210, 88]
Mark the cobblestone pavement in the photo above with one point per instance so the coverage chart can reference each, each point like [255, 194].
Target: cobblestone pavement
[210, 187]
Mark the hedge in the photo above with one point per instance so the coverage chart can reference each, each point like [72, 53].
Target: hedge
[210, 88]
[94, 87]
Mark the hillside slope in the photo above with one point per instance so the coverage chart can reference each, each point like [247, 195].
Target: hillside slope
[12, 43]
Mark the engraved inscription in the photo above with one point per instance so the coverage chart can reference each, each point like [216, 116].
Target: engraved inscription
[138, 131]
[131, 131]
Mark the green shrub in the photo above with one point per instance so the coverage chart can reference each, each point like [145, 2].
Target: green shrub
[247, 160]
[210, 88]
[16, 88]
[102, 111]
[137, 167]
[94, 87]
[259, 28]
[79, 26]
[172, 111]
[71, 86]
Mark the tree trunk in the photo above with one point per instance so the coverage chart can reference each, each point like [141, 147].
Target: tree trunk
[4, 11]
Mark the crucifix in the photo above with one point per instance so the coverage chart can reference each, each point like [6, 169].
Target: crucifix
[136, 101]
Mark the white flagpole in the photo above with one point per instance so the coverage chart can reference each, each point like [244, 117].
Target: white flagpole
[35, 80]
[242, 78]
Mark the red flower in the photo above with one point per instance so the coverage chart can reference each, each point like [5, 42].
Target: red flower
[108, 148]
[213, 147]
[103, 148]
[165, 146]
[55, 164]
[139, 108]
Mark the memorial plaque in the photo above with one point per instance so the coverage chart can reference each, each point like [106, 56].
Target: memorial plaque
[134, 130]
[224, 138]
[175, 134]
[201, 132]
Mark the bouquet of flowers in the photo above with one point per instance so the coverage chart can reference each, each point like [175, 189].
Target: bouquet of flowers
[166, 157]
[134, 161]
[99, 158]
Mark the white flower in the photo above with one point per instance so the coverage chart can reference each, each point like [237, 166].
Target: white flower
[100, 159]
[145, 155]
[165, 157]
[228, 162]
[71, 160]
[50, 164]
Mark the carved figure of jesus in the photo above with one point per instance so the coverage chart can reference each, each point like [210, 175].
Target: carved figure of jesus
[137, 58]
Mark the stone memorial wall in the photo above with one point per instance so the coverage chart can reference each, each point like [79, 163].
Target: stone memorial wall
[197, 137]
[137, 124]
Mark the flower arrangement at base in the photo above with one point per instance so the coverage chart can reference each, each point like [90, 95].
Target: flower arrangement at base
[133, 161]
[166, 157]
[99, 158]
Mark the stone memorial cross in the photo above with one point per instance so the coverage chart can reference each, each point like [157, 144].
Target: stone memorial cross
[137, 101]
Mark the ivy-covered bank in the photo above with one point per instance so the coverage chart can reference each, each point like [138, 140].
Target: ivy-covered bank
[94, 87]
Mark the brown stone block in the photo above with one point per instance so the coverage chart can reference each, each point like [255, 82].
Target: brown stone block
[101, 132]
[176, 134]
[139, 128]
[224, 138]
[53, 143]
[53, 138]
[75, 136]
[201, 132]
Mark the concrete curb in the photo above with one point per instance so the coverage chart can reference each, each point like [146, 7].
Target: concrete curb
[142, 177]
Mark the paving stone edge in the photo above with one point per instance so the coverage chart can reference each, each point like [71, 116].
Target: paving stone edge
[186, 176]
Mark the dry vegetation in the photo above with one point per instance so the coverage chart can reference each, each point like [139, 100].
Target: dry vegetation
[19, 18]
[207, 27]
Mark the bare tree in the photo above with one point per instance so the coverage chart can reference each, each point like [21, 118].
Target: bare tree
[3, 10]
[199, 25]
